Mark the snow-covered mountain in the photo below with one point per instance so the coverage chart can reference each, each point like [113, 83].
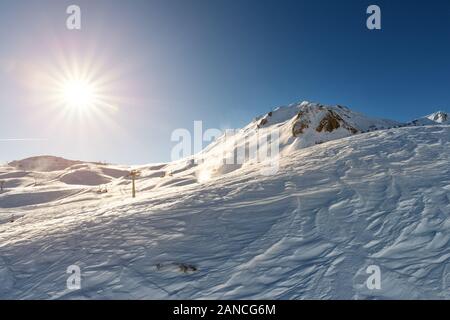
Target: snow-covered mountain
[439, 117]
[43, 163]
[350, 192]
[436, 118]
[296, 126]
[306, 116]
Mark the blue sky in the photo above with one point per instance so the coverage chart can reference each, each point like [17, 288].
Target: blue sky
[169, 63]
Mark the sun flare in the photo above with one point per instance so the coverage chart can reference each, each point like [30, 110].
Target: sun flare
[80, 94]
[85, 91]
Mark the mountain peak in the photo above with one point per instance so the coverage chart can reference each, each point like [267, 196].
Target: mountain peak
[436, 118]
[439, 117]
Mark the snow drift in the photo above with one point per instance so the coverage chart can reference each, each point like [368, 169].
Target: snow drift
[350, 192]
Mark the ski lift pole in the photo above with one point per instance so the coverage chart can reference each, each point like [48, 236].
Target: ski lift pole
[134, 174]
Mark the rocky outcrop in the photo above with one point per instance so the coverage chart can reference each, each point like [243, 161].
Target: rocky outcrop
[439, 117]
[264, 120]
[301, 123]
[331, 121]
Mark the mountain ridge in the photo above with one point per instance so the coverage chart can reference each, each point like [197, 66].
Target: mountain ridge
[313, 122]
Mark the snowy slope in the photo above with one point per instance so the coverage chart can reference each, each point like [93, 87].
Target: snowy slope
[308, 231]
[296, 126]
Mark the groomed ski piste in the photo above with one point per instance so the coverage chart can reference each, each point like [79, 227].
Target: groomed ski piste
[349, 192]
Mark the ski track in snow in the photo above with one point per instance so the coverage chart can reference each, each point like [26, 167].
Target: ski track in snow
[308, 232]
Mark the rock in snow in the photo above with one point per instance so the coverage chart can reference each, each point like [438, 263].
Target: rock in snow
[350, 192]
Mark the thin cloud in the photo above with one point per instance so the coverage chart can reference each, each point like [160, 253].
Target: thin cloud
[22, 139]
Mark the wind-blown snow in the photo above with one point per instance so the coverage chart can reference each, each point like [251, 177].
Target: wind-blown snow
[308, 231]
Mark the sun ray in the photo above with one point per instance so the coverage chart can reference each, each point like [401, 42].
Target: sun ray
[80, 94]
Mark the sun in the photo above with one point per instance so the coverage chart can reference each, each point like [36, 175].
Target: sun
[78, 94]
[76, 88]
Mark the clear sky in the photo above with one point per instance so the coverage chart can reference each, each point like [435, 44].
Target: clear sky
[163, 64]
